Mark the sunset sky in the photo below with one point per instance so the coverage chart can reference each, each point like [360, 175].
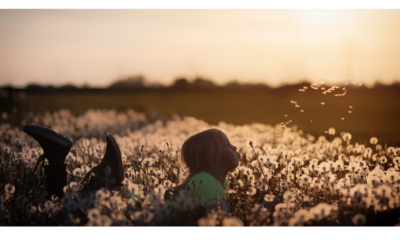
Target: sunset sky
[272, 46]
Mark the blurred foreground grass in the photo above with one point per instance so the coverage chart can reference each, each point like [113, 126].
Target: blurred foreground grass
[373, 112]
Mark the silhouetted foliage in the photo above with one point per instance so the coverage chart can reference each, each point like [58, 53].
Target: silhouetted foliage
[68, 86]
[202, 83]
[129, 83]
[252, 86]
[34, 86]
[181, 83]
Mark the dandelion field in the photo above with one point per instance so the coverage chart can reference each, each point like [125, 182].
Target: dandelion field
[286, 177]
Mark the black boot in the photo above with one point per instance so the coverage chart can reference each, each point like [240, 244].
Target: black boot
[56, 180]
[111, 177]
[55, 149]
[55, 146]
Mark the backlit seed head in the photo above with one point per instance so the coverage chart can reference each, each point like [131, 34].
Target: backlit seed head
[359, 220]
[9, 188]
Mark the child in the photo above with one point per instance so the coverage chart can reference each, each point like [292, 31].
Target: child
[209, 156]
[56, 148]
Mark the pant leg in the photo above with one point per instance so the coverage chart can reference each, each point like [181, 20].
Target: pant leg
[93, 184]
[56, 180]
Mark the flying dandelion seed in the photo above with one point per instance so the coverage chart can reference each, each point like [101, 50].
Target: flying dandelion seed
[349, 111]
[342, 119]
[302, 110]
[322, 103]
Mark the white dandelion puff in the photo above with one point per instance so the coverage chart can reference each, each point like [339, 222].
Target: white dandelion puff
[251, 191]
[9, 188]
[346, 137]
[77, 172]
[383, 160]
[93, 214]
[232, 221]
[384, 190]
[373, 140]
[359, 220]
[147, 162]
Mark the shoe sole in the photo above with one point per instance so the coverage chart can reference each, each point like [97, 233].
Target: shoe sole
[47, 133]
[119, 170]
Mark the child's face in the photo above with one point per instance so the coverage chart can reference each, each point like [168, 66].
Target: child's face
[228, 158]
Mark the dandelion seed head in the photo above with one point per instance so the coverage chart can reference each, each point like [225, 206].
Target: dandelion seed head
[250, 142]
[383, 160]
[346, 136]
[9, 188]
[359, 220]
[93, 214]
[373, 140]
[232, 221]
[251, 191]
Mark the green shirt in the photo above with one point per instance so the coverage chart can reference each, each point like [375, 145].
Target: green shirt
[210, 188]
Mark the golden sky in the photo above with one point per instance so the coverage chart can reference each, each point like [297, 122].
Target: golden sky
[271, 46]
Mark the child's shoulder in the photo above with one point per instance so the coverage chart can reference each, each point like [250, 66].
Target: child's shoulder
[204, 177]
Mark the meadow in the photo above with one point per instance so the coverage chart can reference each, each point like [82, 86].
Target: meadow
[288, 175]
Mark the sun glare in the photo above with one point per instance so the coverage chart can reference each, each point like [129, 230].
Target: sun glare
[322, 17]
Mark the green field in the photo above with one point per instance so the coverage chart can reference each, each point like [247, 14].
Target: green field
[374, 112]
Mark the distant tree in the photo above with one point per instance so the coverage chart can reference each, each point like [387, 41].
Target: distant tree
[129, 83]
[34, 86]
[203, 83]
[232, 85]
[180, 83]
[155, 85]
[254, 86]
[86, 86]
[50, 87]
[68, 86]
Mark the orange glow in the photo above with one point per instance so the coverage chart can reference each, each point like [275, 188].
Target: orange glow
[271, 46]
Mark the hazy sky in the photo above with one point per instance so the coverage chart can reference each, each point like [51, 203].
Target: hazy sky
[271, 46]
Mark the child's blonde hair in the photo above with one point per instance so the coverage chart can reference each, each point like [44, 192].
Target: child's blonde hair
[200, 150]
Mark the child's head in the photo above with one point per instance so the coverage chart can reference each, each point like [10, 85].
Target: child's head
[209, 148]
